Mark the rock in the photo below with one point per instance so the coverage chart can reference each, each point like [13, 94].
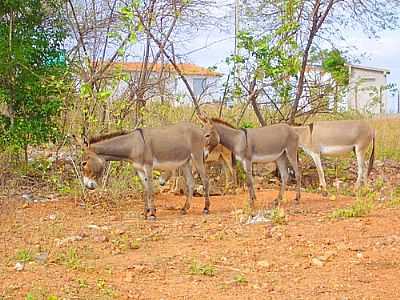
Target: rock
[360, 255]
[317, 262]
[264, 263]
[52, 217]
[259, 218]
[327, 256]
[68, 239]
[27, 197]
[41, 258]
[100, 238]
[19, 266]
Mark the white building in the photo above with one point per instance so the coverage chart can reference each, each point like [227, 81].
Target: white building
[165, 83]
[367, 89]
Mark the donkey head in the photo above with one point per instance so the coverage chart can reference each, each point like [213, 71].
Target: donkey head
[92, 168]
[92, 165]
[211, 135]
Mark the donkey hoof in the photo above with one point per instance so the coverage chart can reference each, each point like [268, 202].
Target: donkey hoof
[183, 211]
[275, 203]
[324, 193]
[206, 211]
[152, 218]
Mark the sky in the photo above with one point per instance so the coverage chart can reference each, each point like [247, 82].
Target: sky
[383, 52]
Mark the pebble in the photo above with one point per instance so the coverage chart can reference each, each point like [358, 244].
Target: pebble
[264, 263]
[19, 266]
[317, 262]
[41, 258]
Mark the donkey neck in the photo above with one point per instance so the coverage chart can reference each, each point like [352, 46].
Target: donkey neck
[116, 148]
[231, 138]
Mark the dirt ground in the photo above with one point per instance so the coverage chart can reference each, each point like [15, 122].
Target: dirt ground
[107, 251]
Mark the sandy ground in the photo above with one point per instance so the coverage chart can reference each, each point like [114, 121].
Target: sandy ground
[107, 251]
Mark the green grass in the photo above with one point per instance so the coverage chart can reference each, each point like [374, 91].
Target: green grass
[24, 255]
[197, 268]
[360, 208]
[278, 216]
[240, 279]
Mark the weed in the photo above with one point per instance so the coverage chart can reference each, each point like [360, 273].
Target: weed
[24, 255]
[70, 259]
[240, 279]
[104, 288]
[197, 268]
[360, 208]
[83, 284]
[278, 216]
[135, 244]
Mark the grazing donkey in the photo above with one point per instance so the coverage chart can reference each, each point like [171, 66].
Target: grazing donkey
[338, 137]
[272, 143]
[159, 148]
[218, 153]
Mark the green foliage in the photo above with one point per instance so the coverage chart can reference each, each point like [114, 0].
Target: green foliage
[360, 208]
[334, 64]
[24, 255]
[278, 216]
[31, 71]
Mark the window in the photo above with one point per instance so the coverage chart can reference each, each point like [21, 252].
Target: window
[199, 86]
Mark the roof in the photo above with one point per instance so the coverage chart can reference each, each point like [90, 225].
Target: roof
[386, 71]
[187, 69]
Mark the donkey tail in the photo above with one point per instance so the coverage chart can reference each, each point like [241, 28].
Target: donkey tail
[372, 157]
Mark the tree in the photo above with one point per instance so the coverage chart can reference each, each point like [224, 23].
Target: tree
[31, 70]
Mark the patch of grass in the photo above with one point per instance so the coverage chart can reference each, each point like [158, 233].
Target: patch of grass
[197, 268]
[24, 255]
[360, 208]
[240, 279]
[70, 259]
[278, 216]
[39, 294]
[105, 288]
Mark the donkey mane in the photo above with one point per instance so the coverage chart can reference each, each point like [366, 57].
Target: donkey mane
[216, 120]
[102, 137]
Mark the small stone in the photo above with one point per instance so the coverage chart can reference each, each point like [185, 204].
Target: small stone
[119, 231]
[360, 255]
[264, 263]
[19, 266]
[52, 217]
[41, 258]
[27, 197]
[100, 238]
[317, 262]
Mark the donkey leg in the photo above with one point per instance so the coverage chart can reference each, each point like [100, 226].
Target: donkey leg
[282, 163]
[148, 172]
[248, 167]
[142, 177]
[187, 173]
[199, 164]
[317, 160]
[361, 170]
[292, 157]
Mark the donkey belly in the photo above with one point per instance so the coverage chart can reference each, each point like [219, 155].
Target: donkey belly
[266, 157]
[335, 150]
[168, 165]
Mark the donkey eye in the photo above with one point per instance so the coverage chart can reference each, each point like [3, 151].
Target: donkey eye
[207, 135]
[84, 163]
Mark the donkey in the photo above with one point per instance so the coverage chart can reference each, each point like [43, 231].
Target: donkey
[159, 148]
[272, 143]
[218, 153]
[338, 137]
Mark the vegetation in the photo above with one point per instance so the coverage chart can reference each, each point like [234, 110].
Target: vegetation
[197, 268]
[360, 208]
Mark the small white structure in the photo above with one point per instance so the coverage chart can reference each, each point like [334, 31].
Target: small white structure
[165, 83]
[367, 89]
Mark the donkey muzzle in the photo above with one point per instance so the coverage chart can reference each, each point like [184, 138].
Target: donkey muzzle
[89, 183]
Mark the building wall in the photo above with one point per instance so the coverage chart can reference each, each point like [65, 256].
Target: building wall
[365, 91]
